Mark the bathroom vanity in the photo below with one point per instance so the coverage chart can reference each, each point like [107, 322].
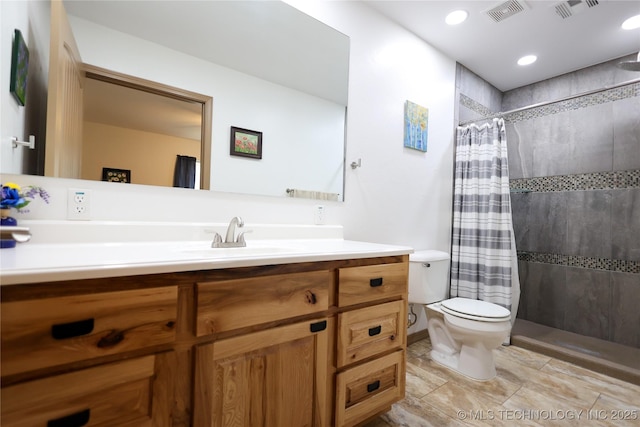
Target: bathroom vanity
[314, 335]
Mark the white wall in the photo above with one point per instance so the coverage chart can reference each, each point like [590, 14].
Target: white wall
[32, 19]
[398, 196]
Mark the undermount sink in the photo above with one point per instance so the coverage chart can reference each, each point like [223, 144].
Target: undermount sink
[246, 251]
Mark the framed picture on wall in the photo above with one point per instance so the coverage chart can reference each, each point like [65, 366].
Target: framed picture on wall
[246, 143]
[116, 175]
[416, 129]
[19, 68]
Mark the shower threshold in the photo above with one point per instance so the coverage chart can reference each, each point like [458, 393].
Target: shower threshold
[613, 359]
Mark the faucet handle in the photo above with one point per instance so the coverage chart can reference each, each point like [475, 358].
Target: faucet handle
[217, 240]
[241, 237]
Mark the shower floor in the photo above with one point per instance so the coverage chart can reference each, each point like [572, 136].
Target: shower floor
[607, 357]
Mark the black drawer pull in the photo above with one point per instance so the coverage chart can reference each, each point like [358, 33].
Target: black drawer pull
[78, 419]
[72, 329]
[318, 326]
[375, 331]
[373, 386]
[374, 283]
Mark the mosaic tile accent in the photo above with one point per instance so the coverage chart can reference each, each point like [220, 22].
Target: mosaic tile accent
[617, 180]
[602, 97]
[617, 265]
[581, 101]
[474, 105]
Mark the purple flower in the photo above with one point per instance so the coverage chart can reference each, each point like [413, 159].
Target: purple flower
[14, 197]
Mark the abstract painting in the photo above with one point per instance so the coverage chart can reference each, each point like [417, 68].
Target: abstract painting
[416, 120]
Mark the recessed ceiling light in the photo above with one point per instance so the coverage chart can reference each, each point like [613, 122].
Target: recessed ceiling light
[456, 17]
[631, 23]
[527, 60]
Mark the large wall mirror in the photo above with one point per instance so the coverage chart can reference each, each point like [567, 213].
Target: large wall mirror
[266, 66]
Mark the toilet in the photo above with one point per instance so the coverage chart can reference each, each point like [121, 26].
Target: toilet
[463, 332]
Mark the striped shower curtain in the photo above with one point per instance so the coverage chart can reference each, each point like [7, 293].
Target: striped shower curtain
[484, 263]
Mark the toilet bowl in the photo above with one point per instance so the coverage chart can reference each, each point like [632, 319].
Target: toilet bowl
[463, 332]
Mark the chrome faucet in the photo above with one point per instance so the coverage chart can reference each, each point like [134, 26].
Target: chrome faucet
[230, 241]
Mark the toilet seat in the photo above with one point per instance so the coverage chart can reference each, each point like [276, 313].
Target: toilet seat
[481, 311]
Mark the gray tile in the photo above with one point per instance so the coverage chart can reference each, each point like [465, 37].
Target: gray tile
[517, 98]
[550, 160]
[519, 148]
[476, 88]
[626, 134]
[495, 99]
[592, 78]
[466, 114]
[589, 223]
[520, 217]
[551, 139]
[546, 294]
[625, 309]
[625, 219]
[548, 222]
[554, 129]
[591, 139]
[588, 302]
[553, 89]
[523, 267]
[459, 70]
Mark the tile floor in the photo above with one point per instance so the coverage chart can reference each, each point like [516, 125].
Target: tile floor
[530, 390]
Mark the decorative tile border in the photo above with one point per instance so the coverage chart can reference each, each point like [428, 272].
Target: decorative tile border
[602, 97]
[581, 101]
[618, 180]
[475, 106]
[617, 265]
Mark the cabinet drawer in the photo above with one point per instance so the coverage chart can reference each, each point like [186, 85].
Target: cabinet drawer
[54, 331]
[369, 388]
[238, 303]
[372, 282]
[113, 394]
[368, 331]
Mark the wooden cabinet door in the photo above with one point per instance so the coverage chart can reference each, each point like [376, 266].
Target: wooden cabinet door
[271, 378]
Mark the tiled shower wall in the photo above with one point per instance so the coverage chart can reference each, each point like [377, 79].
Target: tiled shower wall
[575, 179]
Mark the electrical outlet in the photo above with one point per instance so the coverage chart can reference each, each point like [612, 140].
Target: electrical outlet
[79, 204]
[318, 214]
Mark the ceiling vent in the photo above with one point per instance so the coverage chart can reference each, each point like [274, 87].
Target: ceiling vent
[567, 9]
[506, 10]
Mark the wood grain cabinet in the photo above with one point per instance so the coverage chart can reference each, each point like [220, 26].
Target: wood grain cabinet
[276, 377]
[44, 332]
[313, 344]
[371, 341]
[132, 393]
[53, 350]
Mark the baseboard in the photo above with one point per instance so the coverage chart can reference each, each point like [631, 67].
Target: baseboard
[417, 336]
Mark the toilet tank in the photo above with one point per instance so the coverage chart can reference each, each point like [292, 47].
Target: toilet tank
[428, 276]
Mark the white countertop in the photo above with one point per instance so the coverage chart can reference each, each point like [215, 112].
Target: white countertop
[39, 262]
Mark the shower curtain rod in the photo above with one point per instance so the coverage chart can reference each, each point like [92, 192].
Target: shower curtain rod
[542, 104]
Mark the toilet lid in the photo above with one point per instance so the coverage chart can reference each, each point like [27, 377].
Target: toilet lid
[475, 309]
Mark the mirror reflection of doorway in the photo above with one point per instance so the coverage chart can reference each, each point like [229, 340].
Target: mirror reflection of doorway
[144, 127]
